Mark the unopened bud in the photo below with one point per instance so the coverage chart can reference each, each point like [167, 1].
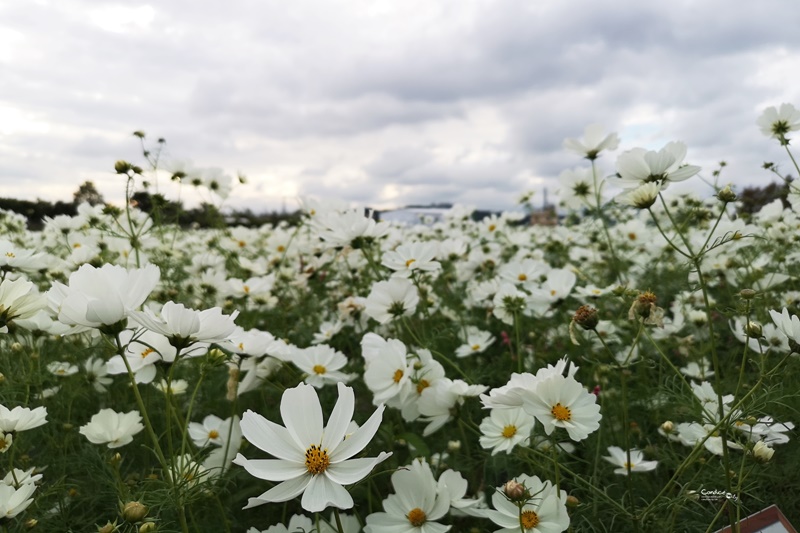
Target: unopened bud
[16, 347]
[516, 492]
[148, 527]
[753, 329]
[108, 528]
[747, 294]
[762, 452]
[31, 523]
[726, 195]
[668, 427]
[134, 512]
[586, 317]
[453, 445]
[122, 167]
[572, 501]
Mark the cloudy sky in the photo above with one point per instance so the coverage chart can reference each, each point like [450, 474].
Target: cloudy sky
[384, 103]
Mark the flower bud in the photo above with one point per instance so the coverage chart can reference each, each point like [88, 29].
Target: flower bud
[454, 445]
[148, 527]
[668, 427]
[747, 294]
[134, 512]
[108, 528]
[762, 452]
[726, 195]
[572, 501]
[31, 523]
[122, 167]
[516, 492]
[586, 317]
[753, 330]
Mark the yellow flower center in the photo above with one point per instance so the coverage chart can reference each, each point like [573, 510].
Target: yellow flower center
[492, 227]
[632, 236]
[417, 517]
[398, 375]
[476, 347]
[422, 385]
[246, 289]
[9, 254]
[281, 248]
[3, 444]
[410, 262]
[317, 460]
[213, 434]
[561, 412]
[628, 466]
[319, 369]
[552, 292]
[522, 277]
[147, 352]
[242, 244]
[509, 431]
[529, 519]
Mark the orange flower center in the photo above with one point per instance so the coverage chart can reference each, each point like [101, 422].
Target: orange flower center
[417, 517]
[422, 385]
[410, 262]
[561, 412]
[398, 375]
[529, 519]
[147, 352]
[317, 460]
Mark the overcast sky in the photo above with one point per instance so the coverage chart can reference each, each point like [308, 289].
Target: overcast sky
[384, 103]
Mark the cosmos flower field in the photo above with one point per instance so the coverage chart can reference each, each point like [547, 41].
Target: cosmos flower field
[631, 367]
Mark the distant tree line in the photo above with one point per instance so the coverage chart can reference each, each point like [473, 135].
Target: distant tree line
[159, 207]
[206, 215]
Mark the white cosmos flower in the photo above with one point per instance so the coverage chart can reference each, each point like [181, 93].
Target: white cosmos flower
[15, 500]
[213, 430]
[787, 324]
[310, 459]
[476, 341]
[641, 197]
[391, 299]
[412, 257]
[96, 297]
[559, 401]
[111, 428]
[19, 300]
[639, 166]
[185, 326]
[544, 512]
[296, 523]
[778, 122]
[594, 141]
[503, 429]
[416, 504]
[21, 418]
[321, 364]
[619, 457]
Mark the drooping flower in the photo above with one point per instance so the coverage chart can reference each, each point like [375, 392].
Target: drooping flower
[111, 428]
[311, 460]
